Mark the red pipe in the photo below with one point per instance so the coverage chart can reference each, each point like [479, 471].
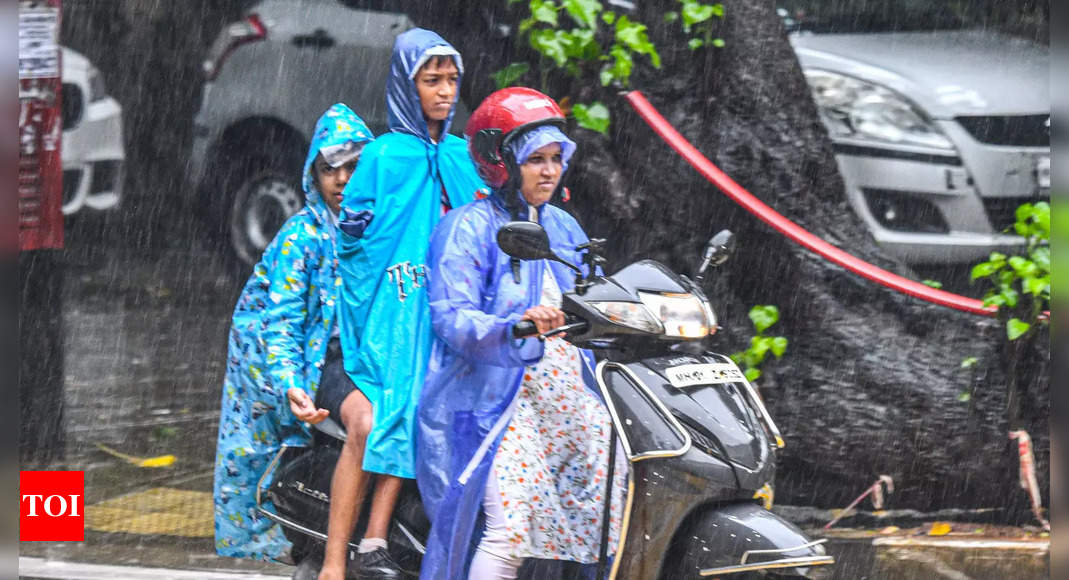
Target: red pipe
[792, 230]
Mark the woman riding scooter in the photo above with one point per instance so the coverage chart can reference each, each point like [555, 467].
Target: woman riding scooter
[513, 428]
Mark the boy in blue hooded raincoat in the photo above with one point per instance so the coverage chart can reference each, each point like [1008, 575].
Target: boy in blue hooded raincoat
[407, 179]
[282, 323]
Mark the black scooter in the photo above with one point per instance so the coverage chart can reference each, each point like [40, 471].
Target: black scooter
[700, 443]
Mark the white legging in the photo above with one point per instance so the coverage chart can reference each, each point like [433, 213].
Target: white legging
[491, 561]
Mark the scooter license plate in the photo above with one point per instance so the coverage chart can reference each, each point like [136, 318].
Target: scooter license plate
[703, 374]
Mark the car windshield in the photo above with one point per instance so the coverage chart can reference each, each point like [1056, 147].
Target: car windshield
[863, 16]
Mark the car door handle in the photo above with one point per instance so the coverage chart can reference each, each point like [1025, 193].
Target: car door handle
[319, 38]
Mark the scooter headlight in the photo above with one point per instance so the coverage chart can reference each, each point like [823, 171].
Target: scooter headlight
[671, 315]
[682, 315]
[629, 314]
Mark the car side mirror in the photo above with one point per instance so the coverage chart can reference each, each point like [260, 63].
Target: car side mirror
[717, 251]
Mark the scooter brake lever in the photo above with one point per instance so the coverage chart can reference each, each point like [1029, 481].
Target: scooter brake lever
[561, 329]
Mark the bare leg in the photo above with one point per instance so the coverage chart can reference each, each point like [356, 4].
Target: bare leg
[387, 488]
[348, 485]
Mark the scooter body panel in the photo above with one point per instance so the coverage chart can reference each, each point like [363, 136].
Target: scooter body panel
[690, 448]
[722, 540]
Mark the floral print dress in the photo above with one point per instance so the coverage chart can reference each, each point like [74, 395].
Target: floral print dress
[553, 460]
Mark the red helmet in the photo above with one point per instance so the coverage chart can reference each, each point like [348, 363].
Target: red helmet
[501, 117]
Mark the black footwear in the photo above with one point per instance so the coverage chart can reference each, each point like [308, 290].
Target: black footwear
[376, 565]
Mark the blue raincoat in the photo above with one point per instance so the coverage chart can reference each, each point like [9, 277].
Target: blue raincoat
[476, 367]
[398, 185]
[278, 340]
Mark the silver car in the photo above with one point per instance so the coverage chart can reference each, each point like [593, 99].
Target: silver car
[269, 76]
[939, 135]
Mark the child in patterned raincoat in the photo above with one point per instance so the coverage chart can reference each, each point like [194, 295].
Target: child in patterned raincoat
[282, 324]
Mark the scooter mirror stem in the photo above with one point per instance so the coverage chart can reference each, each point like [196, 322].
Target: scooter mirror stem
[591, 259]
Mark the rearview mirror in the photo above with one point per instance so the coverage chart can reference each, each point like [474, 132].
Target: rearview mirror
[524, 241]
[720, 247]
[528, 241]
[717, 251]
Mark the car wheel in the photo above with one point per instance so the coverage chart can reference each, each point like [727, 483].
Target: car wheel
[260, 206]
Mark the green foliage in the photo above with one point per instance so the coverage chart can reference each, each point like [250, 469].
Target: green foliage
[932, 283]
[594, 116]
[1020, 285]
[163, 433]
[697, 19]
[508, 76]
[968, 363]
[763, 317]
[585, 39]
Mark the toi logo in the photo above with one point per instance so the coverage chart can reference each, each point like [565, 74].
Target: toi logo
[51, 506]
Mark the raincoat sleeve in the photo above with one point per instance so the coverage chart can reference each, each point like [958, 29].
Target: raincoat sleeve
[284, 317]
[362, 260]
[461, 253]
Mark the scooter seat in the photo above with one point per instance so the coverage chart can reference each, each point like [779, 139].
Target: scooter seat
[332, 428]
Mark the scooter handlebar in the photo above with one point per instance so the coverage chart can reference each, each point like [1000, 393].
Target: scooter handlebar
[526, 328]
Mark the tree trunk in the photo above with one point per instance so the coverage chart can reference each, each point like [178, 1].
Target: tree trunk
[871, 381]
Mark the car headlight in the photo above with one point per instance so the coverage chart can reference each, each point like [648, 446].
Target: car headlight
[673, 315]
[97, 90]
[851, 107]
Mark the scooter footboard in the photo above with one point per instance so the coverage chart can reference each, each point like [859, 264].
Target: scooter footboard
[744, 537]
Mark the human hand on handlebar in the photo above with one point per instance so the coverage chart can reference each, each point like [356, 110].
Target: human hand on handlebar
[303, 407]
[546, 318]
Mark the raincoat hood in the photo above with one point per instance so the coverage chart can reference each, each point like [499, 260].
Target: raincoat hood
[340, 133]
[403, 109]
[521, 149]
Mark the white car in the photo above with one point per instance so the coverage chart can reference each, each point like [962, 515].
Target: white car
[92, 145]
[939, 134]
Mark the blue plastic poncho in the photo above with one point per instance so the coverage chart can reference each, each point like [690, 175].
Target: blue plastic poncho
[278, 340]
[397, 193]
[476, 367]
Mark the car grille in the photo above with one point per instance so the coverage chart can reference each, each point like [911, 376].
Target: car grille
[105, 177]
[1001, 211]
[72, 178]
[73, 103]
[902, 211]
[1020, 131]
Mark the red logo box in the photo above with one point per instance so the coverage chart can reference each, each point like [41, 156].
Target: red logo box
[51, 506]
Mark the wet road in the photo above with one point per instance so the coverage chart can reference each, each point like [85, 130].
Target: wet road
[145, 338]
[145, 326]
